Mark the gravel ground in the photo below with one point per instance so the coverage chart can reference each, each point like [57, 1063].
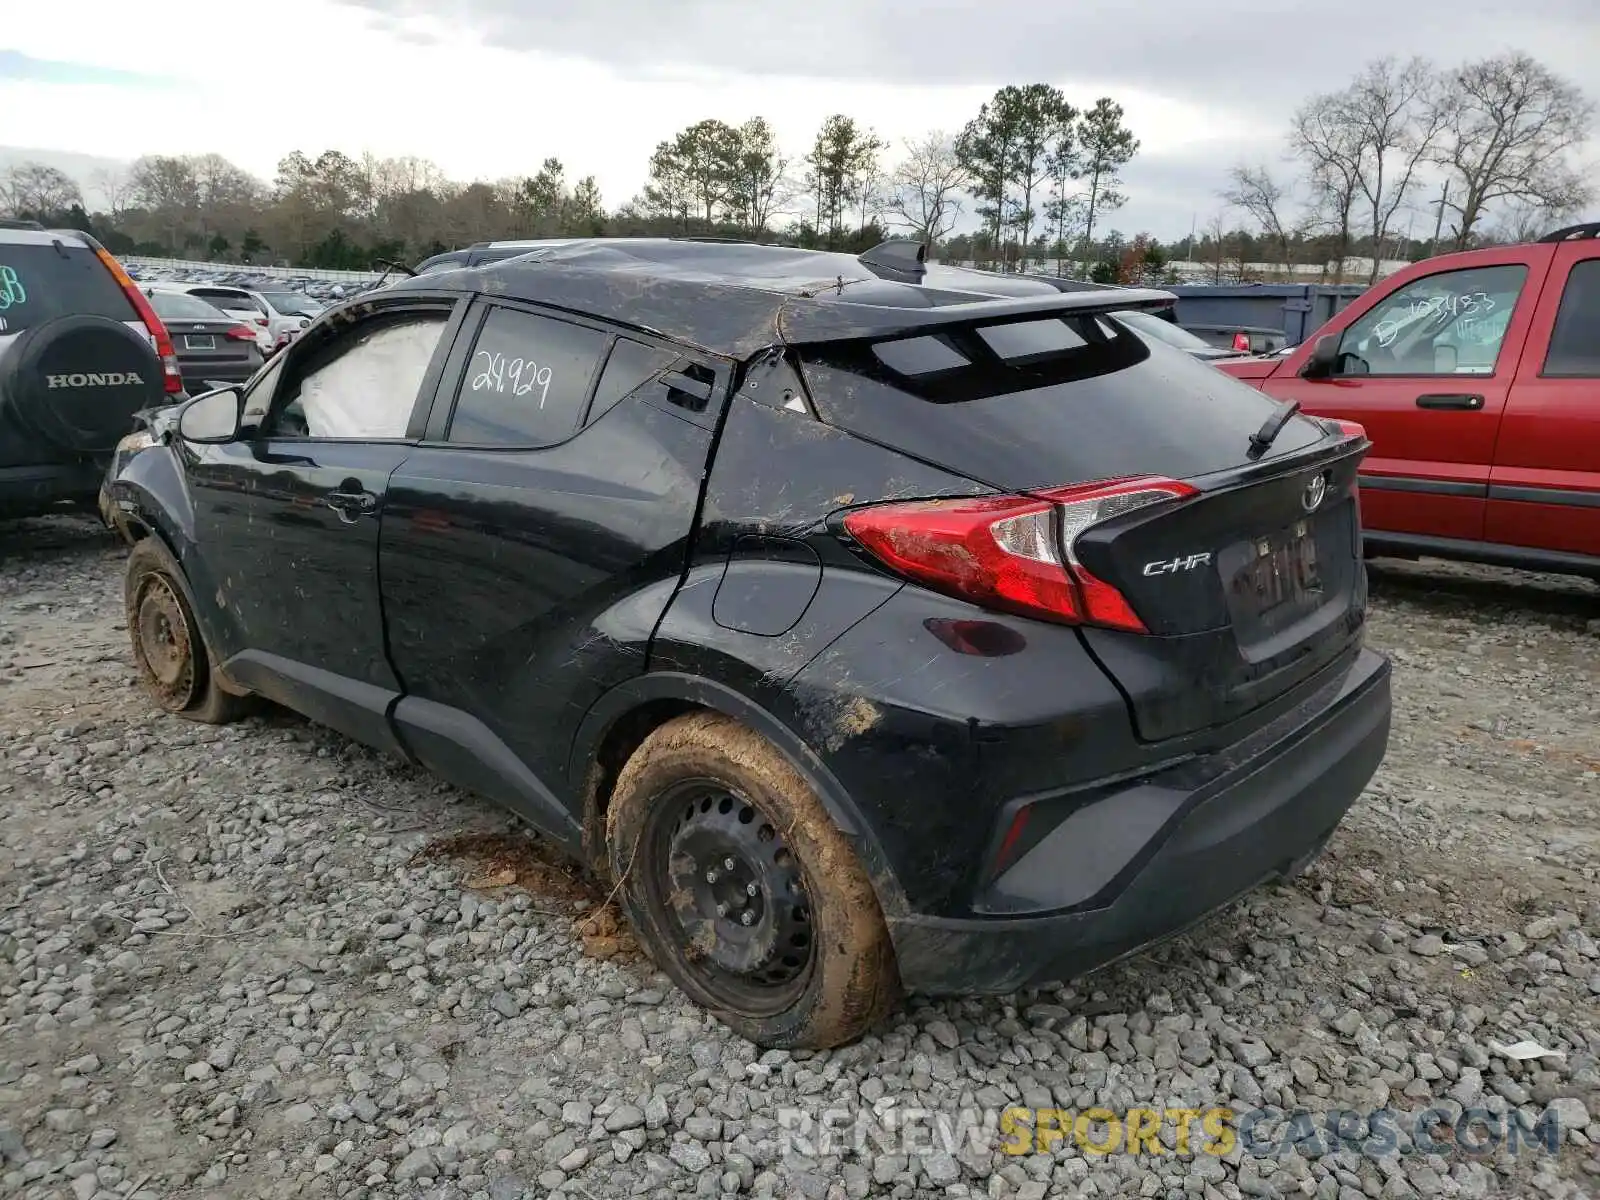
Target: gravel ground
[262, 962]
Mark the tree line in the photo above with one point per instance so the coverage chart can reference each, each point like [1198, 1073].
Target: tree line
[1483, 151]
[1031, 182]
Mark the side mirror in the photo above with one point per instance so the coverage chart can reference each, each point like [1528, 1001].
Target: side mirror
[212, 418]
[1324, 358]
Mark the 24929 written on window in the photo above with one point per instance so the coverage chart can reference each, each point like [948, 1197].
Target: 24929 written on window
[527, 381]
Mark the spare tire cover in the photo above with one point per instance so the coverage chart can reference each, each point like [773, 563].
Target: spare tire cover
[76, 381]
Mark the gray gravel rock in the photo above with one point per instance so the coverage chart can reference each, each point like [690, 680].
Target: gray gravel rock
[259, 960]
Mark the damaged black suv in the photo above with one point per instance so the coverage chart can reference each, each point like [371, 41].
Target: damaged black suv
[870, 634]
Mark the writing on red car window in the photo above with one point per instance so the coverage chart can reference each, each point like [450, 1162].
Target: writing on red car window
[505, 374]
[1429, 311]
[11, 289]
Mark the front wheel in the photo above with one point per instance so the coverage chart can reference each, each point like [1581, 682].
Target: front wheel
[743, 889]
[167, 647]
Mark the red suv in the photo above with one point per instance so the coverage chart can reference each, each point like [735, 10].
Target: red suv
[1477, 377]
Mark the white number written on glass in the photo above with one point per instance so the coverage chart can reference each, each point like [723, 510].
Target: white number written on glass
[504, 374]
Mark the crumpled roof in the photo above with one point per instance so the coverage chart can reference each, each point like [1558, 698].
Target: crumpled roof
[735, 299]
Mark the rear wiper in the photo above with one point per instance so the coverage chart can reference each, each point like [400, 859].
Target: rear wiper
[1263, 438]
[389, 264]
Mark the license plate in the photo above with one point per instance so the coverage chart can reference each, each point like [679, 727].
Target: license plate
[1283, 570]
[199, 341]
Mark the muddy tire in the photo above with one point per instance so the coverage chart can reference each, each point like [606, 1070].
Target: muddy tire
[171, 655]
[744, 891]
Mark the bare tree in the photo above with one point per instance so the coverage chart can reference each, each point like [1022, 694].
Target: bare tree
[1217, 231]
[1511, 126]
[1266, 202]
[115, 186]
[1396, 114]
[926, 189]
[1326, 142]
[35, 190]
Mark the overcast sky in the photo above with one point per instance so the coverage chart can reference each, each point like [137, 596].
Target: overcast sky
[497, 85]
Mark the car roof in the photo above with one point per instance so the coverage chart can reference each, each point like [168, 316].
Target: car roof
[179, 285]
[15, 235]
[734, 299]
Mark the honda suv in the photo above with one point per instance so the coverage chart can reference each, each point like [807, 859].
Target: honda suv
[81, 351]
[867, 635]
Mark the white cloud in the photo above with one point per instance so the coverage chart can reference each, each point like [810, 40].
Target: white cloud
[322, 75]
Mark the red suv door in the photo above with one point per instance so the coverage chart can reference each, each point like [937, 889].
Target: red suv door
[1544, 491]
[1425, 363]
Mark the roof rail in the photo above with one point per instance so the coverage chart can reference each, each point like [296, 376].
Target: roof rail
[13, 223]
[1573, 233]
[706, 237]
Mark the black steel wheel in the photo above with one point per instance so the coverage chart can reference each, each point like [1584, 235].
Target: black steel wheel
[163, 644]
[168, 647]
[720, 869]
[743, 889]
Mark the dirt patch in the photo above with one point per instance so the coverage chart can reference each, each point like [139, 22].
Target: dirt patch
[497, 862]
[492, 861]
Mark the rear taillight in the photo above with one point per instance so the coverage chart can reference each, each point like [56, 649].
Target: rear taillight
[1349, 428]
[261, 321]
[1013, 552]
[171, 376]
[1241, 342]
[241, 333]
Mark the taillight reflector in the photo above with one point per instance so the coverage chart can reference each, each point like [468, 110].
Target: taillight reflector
[171, 375]
[1350, 428]
[1013, 553]
[1241, 341]
[241, 333]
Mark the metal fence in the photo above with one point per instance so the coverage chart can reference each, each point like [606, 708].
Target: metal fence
[193, 265]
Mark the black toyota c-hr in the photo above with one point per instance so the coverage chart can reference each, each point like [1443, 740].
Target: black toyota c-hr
[870, 634]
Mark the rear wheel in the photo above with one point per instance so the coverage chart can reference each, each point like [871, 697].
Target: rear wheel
[743, 889]
[167, 647]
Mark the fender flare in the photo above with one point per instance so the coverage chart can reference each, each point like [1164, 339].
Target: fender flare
[626, 697]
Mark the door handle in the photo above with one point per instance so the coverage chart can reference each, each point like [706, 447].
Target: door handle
[350, 505]
[1457, 400]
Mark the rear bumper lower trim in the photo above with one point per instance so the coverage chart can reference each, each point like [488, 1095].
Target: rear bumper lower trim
[1262, 819]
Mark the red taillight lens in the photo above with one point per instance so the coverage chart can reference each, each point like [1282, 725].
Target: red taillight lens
[1241, 341]
[241, 333]
[1012, 552]
[1350, 428]
[171, 376]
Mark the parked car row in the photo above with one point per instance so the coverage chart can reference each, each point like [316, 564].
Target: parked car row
[325, 290]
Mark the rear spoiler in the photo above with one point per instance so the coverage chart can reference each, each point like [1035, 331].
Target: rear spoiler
[833, 318]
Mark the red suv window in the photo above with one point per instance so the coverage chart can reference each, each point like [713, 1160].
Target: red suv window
[1575, 340]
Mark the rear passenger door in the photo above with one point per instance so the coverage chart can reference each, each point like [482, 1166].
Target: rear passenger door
[532, 541]
[1544, 492]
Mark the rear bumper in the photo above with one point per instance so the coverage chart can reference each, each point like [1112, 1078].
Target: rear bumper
[1164, 852]
[198, 378]
[36, 489]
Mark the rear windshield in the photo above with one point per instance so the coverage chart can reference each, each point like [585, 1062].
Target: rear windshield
[234, 300]
[39, 283]
[293, 304]
[1044, 403]
[1159, 327]
[176, 306]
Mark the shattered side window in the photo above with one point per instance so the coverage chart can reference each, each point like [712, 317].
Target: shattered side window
[369, 390]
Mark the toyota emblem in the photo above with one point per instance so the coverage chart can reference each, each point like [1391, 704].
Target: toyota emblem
[1311, 498]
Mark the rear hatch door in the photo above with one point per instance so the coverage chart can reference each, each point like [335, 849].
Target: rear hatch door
[1247, 588]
